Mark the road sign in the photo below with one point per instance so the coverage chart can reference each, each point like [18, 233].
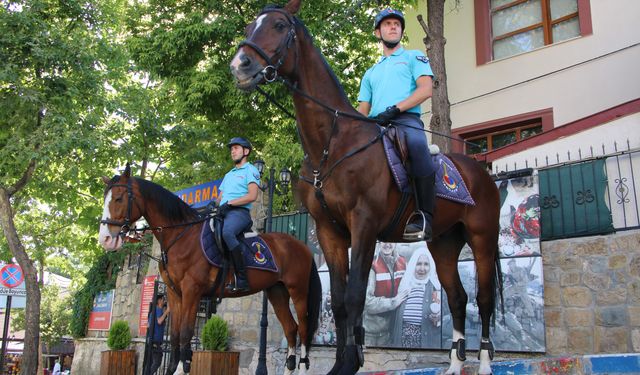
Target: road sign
[12, 280]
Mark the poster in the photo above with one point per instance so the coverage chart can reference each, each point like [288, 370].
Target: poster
[100, 315]
[407, 307]
[146, 298]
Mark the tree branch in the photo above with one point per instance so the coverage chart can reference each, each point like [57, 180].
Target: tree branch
[26, 176]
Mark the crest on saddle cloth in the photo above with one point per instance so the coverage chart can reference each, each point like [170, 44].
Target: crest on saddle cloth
[449, 182]
[258, 257]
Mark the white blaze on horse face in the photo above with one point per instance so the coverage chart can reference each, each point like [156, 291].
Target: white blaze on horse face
[105, 238]
[235, 63]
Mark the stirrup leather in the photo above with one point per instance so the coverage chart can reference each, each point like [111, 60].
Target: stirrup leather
[415, 236]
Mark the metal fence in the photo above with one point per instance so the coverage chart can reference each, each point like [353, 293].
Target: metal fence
[595, 194]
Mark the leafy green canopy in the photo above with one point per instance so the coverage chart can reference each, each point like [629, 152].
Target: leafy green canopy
[119, 335]
[187, 47]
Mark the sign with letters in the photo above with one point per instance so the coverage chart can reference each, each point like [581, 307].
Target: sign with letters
[146, 297]
[100, 315]
[12, 280]
[200, 195]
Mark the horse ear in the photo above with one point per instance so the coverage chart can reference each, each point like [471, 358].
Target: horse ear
[293, 6]
[127, 171]
[106, 180]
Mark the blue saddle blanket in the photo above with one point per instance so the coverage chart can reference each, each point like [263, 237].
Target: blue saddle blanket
[449, 182]
[259, 257]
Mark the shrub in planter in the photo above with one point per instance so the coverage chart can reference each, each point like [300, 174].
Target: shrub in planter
[215, 334]
[119, 336]
[215, 359]
[118, 360]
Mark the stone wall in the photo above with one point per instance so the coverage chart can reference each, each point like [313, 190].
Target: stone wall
[592, 294]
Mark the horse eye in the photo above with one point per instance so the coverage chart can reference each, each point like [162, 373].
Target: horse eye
[280, 26]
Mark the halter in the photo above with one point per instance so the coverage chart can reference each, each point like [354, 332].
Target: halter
[125, 226]
[270, 72]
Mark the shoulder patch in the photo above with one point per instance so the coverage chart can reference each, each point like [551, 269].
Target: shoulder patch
[424, 59]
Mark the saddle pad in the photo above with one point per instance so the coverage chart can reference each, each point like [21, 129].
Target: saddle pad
[259, 257]
[395, 164]
[449, 183]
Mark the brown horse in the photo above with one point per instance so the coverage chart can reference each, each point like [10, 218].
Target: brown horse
[349, 190]
[189, 276]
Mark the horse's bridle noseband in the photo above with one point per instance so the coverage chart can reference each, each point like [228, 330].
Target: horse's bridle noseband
[125, 226]
[270, 72]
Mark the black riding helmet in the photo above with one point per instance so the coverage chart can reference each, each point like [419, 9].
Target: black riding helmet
[241, 142]
[388, 13]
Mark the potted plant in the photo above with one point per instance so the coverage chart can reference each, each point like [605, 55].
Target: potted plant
[118, 360]
[215, 359]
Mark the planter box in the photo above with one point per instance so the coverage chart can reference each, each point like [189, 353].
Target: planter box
[118, 362]
[215, 363]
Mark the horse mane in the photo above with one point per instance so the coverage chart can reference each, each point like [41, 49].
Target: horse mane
[168, 204]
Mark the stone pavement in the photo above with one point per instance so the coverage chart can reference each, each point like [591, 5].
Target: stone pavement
[610, 364]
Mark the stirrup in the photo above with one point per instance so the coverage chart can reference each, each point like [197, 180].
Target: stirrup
[419, 235]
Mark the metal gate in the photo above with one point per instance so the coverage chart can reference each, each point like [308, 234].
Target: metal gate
[201, 318]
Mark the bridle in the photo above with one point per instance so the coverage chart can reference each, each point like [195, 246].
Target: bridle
[270, 72]
[125, 225]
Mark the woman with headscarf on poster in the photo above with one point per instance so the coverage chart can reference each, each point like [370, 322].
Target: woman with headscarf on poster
[418, 320]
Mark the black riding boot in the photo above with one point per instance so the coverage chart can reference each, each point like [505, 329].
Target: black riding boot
[419, 225]
[242, 285]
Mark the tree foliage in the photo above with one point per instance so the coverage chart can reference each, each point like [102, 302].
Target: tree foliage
[55, 316]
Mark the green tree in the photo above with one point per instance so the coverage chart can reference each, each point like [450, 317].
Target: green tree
[53, 100]
[55, 316]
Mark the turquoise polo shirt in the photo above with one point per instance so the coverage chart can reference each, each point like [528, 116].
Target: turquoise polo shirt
[235, 183]
[393, 79]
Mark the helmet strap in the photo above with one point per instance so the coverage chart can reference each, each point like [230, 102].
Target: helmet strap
[390, 45]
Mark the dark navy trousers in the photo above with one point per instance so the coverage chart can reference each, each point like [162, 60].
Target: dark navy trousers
[235, 221]
[421, 162]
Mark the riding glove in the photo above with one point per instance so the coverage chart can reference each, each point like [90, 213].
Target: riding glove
[224, 209]
[383, 118]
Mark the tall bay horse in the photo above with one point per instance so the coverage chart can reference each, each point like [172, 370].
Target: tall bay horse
[348, 188]
[189, 276]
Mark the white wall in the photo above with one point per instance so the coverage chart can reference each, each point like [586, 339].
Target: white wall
[573, 93]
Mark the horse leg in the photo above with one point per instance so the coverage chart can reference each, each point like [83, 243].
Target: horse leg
[485, 251]
[362, 250]
[279, 298]
[299, 292]
[175, 306]
[445, 251]
[334, 246]
[190, 299]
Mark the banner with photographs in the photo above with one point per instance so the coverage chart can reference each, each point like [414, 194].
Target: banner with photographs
[406, 307]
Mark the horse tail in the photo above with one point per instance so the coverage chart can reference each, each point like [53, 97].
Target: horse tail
[499, 281]
[314, 301]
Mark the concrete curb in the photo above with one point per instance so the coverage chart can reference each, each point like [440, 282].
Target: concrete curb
[610, 364]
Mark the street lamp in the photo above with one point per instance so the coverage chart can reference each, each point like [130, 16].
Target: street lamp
[270, 186]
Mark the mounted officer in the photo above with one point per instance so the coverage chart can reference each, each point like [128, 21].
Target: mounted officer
[238, 190]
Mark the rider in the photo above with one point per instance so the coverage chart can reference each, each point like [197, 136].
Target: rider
[392, 90]
[238, 190]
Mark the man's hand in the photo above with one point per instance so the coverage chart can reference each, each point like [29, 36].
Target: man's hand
[386, 116]
[224, 209]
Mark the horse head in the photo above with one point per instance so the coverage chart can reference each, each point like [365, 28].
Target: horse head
[119, 211]
[268, 50]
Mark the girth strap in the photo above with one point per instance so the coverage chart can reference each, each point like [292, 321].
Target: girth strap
[395, 220]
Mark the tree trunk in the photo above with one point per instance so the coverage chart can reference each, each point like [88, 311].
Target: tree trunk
[32, 310]
[434, 43]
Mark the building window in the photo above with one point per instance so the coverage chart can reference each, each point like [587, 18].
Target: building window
[508, 27]
[489, 136]
[496, 139]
